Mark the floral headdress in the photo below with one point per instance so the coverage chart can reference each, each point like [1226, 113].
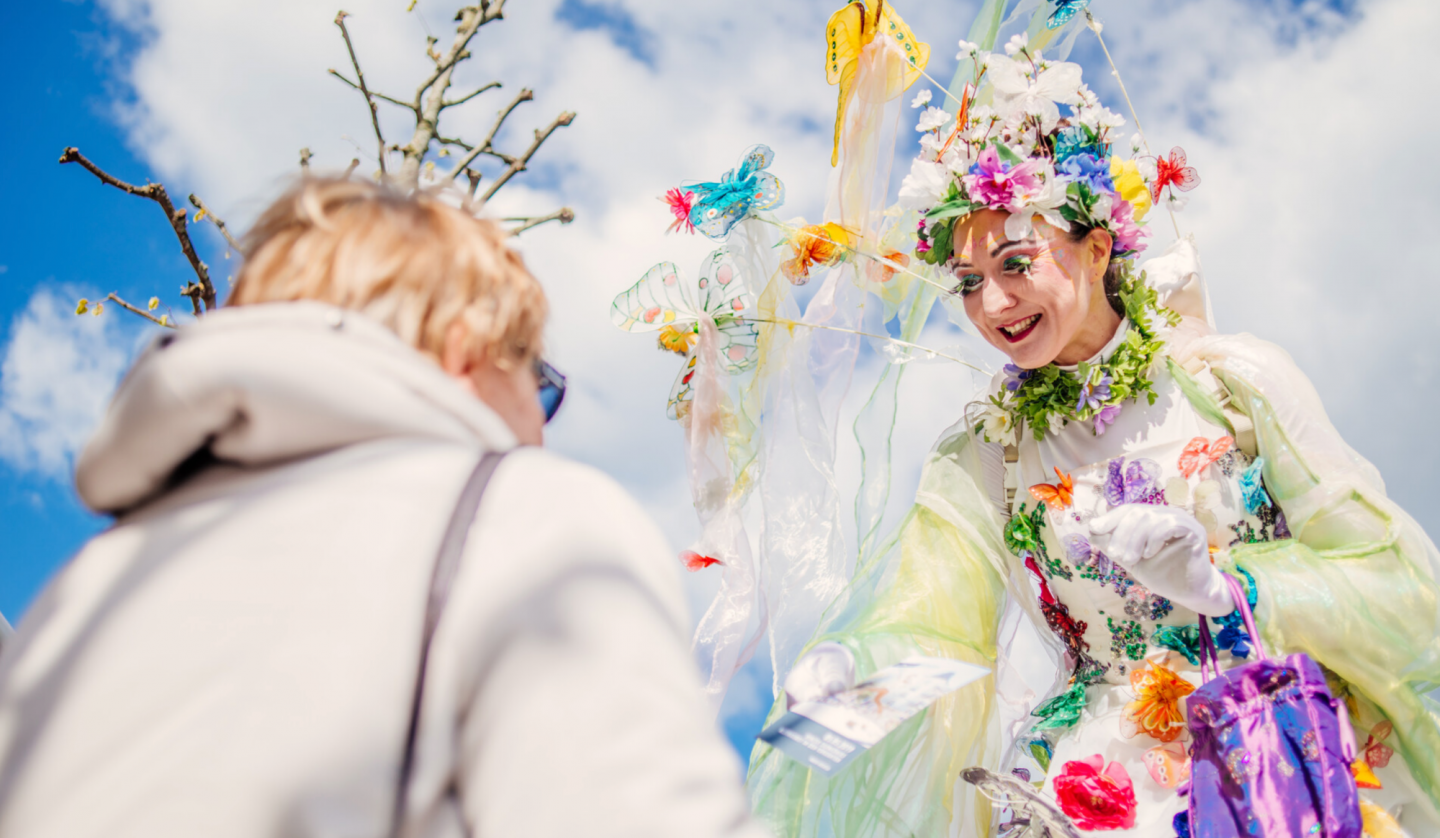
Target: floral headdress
[1017, 153]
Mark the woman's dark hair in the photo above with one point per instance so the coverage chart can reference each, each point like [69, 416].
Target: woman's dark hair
[1112, 271]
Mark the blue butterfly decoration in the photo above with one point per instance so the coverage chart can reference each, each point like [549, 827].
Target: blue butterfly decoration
[1064, 11]
[739, 192]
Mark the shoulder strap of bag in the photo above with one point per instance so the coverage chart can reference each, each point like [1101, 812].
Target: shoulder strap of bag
[447, 564]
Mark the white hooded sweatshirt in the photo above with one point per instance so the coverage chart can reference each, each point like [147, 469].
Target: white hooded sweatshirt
[236, 655]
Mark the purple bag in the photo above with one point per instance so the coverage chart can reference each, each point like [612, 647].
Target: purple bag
[1272, 750]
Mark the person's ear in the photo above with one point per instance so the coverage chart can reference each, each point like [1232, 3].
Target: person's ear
[457, 360]
[1099, 244]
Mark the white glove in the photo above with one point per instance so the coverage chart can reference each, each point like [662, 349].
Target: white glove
[1166, 550]
[824, 670]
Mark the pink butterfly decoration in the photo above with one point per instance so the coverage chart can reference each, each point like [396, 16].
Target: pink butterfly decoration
[1200, 452]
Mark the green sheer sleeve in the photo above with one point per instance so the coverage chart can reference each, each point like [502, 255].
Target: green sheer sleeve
[1355, 588]
[936, 588]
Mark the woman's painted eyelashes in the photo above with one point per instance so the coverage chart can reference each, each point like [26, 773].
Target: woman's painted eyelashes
[968, 282]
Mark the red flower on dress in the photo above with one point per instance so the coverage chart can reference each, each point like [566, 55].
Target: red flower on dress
[1096, 798]
[680, 203]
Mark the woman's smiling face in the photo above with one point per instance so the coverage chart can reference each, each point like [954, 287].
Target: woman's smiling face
[1038, 300]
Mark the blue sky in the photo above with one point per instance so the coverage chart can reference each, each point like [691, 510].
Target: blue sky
[63, 230]
[1291, 110]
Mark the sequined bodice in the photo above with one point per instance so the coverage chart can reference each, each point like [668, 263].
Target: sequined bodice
[1164, 453]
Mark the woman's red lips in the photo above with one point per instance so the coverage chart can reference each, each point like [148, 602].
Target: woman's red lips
[1018, 330]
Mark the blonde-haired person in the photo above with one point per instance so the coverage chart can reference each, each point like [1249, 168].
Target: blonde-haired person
[239, 654]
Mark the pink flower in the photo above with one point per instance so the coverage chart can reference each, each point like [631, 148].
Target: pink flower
[996, 183]
[1096, 799]
[680, 203]
[1128, 235]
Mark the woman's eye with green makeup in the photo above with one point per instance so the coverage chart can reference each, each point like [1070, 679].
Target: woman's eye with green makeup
[967, 283]
[1018, 264]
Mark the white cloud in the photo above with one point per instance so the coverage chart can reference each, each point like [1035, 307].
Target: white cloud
[58, 374]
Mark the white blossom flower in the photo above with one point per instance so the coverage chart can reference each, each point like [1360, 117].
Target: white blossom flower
[932, 119]
[999, 425]
[924, 186]
[1045, 202]
[921, 98]
[1015, 44]
[967, 49]
[1137, 142]
[931, 144]
[1057, 423]
[958, 158]
[981, 113]
[1016, 91]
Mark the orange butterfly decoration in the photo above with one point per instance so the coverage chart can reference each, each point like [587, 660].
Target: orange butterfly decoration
[1200, 452]
[694, 561]
[1056, 496]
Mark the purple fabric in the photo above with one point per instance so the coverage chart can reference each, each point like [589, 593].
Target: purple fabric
[1272, 750]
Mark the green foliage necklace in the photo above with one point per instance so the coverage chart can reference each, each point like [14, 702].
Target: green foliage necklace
[1050, 397]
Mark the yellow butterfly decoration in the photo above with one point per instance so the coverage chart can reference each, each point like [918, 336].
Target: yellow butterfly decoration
[852, 29]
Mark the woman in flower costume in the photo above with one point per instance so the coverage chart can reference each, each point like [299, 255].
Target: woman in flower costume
[1125, 459]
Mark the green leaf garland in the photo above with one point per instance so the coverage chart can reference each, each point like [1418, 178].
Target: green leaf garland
[1051, 394]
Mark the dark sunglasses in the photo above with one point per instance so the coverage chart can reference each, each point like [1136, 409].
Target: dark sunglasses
[552, 387]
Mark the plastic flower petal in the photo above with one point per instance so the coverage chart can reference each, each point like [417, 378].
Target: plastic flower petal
[818, 244]
[1156, 708]
[921, 99]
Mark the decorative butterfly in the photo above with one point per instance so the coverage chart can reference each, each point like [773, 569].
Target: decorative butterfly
[852, 29]
[1200, 452]
[1140, 483]
[1168, 765]
[1056, 496]
[719, 205]
[1173, 172]
[1064, 11]
[694, 561]
[662, 301]
[1376, 753]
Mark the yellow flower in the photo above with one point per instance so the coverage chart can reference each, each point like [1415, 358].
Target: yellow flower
[83, 306]
[819, 244]
[1156, 708]
[1126, 174]
[164, 320]
[676, 340]
[154, 303]
[97, 308]
[199, 216]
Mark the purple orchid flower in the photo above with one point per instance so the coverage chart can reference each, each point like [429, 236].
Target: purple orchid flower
[1014, 376]
[1107, 416]
[1094, 396]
